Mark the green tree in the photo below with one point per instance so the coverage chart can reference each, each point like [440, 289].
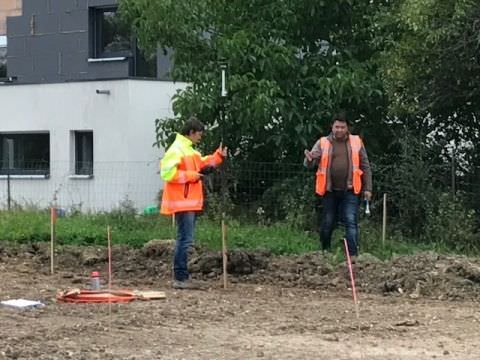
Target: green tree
[431, 64]
[291, 64]
[430, 67]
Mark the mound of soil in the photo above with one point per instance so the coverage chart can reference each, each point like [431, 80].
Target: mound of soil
[426, 275]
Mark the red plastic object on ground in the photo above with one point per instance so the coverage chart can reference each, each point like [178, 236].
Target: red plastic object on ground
[95, 296]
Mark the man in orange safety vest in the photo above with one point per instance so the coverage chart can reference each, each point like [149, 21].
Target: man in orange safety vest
[343, 176]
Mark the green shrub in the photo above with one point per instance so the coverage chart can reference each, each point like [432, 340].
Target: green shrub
[452, 224]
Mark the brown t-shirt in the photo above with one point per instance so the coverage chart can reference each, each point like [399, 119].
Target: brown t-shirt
[339, 166]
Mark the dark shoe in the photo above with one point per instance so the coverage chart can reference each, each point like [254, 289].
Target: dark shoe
[187, 285]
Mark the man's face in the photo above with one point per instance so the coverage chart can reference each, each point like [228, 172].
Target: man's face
[195, 136]
[339, 129]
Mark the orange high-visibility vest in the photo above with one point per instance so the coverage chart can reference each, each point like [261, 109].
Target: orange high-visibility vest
[321, 175]
[179, 168]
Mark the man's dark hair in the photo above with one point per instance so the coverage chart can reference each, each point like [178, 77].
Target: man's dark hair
[192, 125]
[341, 116]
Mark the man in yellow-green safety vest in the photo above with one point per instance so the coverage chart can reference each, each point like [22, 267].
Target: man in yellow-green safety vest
[181, 169]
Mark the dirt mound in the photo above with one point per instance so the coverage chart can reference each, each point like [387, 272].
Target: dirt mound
[427, 275]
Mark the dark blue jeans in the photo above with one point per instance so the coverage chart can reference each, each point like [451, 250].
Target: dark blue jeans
[185, 233]
[344, 204]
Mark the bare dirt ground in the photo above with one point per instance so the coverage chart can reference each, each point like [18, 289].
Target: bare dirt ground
[418, 307]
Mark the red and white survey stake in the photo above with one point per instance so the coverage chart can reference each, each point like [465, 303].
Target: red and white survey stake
[352, 278]
[109, 241]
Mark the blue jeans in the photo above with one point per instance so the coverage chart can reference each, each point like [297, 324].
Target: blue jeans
[344, 204]
[185, 232]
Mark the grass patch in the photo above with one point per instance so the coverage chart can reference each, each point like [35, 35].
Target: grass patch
[280, 239]
[130, 229]
[23, 227]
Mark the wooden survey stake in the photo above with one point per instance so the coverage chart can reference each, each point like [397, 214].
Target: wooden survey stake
[224, 253]
[53, 220]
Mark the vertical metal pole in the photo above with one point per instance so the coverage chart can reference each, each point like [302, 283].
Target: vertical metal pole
[384, 220]
[223, 94]
[224, 89]
[453, 174]
[9, 197]
[10, 165]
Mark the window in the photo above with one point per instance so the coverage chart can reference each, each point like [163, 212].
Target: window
[144, 65]
[83, 152]
[3, 56]
[112, 39]
[110, 36]
[25, 153]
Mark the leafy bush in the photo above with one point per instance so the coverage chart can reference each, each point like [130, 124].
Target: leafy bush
[451, 224]
[291, 201]
[408, 177]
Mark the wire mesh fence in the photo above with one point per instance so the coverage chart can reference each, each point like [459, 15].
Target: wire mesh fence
[247, 191]
[107, 186]
[261, 192]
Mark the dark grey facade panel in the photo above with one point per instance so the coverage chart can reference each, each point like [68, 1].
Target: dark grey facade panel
[73, 42]
[46, 65]
[74, 21]
[113, 69]
[35, 7]
[22, 67]
[57, 6]
[18, 26]
[42, 44]
[17, 47]
[45, 44]
[74, 63]
[51, 42]
[80, 4]
[45, 24]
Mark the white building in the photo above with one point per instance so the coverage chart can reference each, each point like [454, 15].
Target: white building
[98, 136]
[77, 119]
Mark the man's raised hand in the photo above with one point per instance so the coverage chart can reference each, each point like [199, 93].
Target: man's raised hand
[308, 155]
[223, 150]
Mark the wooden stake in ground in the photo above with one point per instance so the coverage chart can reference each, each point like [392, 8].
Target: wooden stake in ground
[173, 238]
[224, 253]
[53, 220]
[352, 278]
[384, 219]
[109, 240]
[109, 249]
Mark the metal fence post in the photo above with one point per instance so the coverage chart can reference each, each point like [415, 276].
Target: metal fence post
[384, 219]
[9, 197]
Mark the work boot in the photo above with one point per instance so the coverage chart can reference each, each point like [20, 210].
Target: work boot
[188, 285]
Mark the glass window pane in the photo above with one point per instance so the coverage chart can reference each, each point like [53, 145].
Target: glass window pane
[3, 56]
[115, 35]
[24, 154]
[83, 152]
